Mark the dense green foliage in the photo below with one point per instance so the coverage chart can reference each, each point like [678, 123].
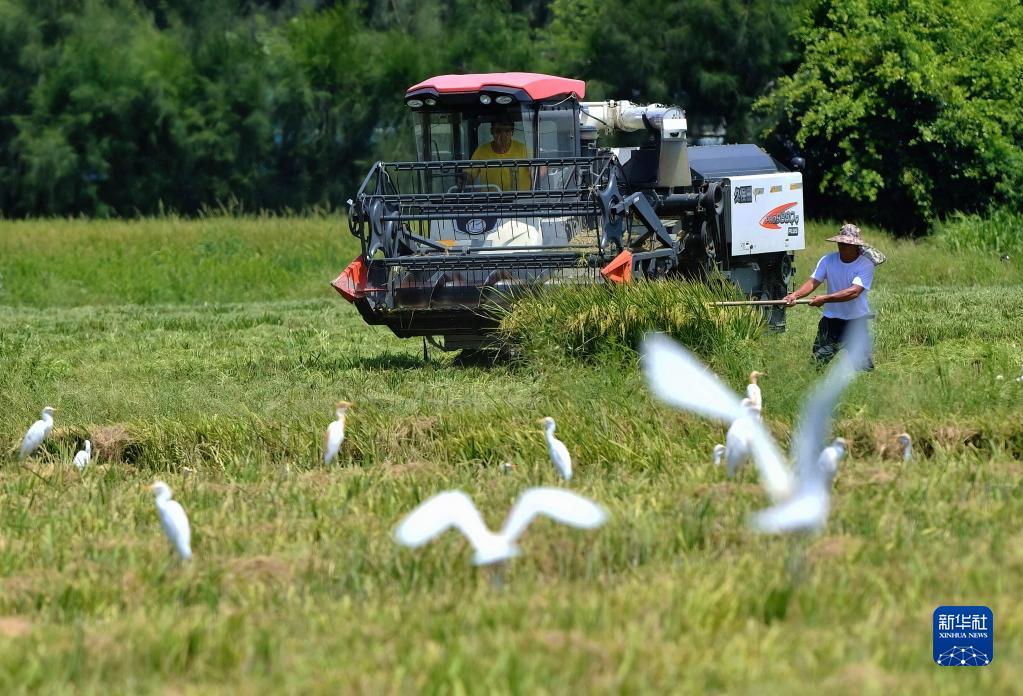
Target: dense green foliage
[224, 387]
[115, 107]
[909, 109]
[906, 110]
[712, 57]
[119, 108]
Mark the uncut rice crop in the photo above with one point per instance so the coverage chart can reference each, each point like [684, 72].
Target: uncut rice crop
[584, 323]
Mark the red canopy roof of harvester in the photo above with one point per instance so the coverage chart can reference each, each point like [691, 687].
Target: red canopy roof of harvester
[537, 86]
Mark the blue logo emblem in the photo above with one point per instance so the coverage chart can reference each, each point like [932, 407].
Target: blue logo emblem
[964, 636]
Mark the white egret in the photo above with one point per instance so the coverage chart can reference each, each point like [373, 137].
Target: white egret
[335, 432]
[753, 393]
[831, 456]
[83, 456]
[680, 379]
[739, 438]
[456, 509]
[907, 446]
[173, 519]
[719, 454]
[560, 457]
[37, 433]
[808, 508]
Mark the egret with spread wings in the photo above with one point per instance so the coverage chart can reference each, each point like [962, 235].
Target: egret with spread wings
[808, 508]
[454, 509]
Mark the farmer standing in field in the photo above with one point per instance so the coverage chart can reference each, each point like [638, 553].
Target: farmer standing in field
[849, 273]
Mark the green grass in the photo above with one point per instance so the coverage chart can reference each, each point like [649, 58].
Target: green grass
[104, 262]
[197, 363]
[998, 233]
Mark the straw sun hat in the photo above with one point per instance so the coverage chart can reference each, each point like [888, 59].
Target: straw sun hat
[850, 234]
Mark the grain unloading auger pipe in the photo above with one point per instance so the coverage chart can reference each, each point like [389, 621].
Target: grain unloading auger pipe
[755, 303]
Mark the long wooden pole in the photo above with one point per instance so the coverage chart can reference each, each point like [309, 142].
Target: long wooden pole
[755, 303]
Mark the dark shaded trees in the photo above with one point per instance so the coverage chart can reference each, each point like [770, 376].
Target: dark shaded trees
[714, 57]
[909, 109]
[905, 109]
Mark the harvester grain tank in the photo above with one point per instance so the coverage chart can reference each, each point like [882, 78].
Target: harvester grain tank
[478, 217]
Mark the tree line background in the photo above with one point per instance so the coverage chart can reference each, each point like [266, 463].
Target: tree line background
[905, 110]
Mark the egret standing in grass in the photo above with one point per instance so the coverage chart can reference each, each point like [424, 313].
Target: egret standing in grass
[455, 509]
[831, 456]
[37, 433]
[173, 519]
[753, 393]
[83, 456]
[739, 438]
[335, 432]
[907, 446]
[719, 454]
[560, 457]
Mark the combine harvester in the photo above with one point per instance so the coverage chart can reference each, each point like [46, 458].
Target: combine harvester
[446, 234]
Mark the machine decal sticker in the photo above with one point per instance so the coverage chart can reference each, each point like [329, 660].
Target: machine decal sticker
[779, 216]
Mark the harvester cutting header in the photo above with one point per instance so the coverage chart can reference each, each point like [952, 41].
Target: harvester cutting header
[511, 190]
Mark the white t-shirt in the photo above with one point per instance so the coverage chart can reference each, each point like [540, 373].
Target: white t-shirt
[839, 276]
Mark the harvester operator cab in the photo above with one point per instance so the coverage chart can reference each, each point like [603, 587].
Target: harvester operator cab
[496, 137]
[457, 118]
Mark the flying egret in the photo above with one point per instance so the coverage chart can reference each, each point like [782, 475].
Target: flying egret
[173, 519]
[456, 509]
[753, 392]
[719, 453]
[560, 457]
[808, 508]
[37, 433]
[335, 432]
[83, 456]
[907, 446]
[680, 379]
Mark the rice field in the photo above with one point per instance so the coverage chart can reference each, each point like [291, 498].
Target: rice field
[209, 353]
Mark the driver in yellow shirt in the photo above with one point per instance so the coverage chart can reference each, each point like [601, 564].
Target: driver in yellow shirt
[502, 146]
